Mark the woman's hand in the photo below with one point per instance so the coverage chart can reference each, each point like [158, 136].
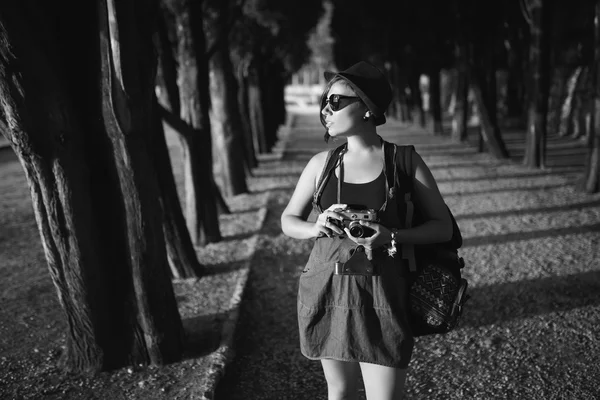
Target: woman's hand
[328, 223]
[381, 236]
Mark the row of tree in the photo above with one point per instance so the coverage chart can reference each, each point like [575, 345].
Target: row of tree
[548, 49]
[82, 102]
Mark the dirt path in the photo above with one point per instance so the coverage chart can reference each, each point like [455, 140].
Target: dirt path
[532, 249]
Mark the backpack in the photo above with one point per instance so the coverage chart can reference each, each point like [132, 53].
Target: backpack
[437, 291]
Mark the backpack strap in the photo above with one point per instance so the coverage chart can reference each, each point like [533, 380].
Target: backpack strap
[405, 180]
[333, 159]
[450, 247]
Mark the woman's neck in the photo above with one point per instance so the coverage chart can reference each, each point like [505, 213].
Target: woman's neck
[364, 141]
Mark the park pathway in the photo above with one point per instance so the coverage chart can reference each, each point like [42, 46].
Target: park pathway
[532, 247]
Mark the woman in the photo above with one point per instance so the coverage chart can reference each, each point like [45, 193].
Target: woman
[356, 323]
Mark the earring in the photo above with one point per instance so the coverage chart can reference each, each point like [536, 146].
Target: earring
[367, 116]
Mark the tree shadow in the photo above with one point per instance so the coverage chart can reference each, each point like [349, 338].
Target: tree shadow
[525, 175]
[532, 210]
[503, 190]
[7, 155]
[522, 236]
[249, 209]
[287, 187]
[202, 334]
[491, 304]
[223, 268]
[240, 236]
[277, 175]
[461, 165]
[426, 149]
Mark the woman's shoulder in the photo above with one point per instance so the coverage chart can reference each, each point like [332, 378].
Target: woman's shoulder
[317, 162]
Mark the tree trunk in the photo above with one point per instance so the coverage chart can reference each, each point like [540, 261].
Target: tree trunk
[557, 95]
[180, 249]
[201, 194]
[435, 99]
[461, 103]
[224, 113]
[515, 80]
[255, 102]
[591, 179]
[400, 105]
[490, 131]
[102, 241]
[582, 105]
[46, 138]
[417, 99]
[128, 78]
[277, 100]
[566, 114]
[167, 68]
[243, 104]
[539, 61]
[271, 88]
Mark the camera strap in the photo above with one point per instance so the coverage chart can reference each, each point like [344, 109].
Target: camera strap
[340, 179]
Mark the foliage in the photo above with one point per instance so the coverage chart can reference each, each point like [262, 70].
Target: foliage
[276, 30]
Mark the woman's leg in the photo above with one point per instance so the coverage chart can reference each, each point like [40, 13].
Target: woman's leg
[383, 383]
[342, 379]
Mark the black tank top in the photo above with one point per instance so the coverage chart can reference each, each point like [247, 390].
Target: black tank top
[359, 195]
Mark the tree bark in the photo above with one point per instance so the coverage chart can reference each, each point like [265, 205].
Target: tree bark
[273, 101]
[101, 232]
[591, 178]
[128, 77]
[167, 67]
[489, 128]
[417, 99]
[556, 98]
[201, 194]
[255, 101]
[224, 113]
[277, 100]
[515, 84]
[582, 105]
[44, 134]
[400, 106]
[539, 61]
[181, 253]
[461, 104]
[566, 113]
[180, 249]
[435, 93]
[243, 104]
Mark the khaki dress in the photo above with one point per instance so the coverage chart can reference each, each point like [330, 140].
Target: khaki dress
[355, 317]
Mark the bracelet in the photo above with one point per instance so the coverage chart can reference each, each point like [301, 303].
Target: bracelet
[392, 250]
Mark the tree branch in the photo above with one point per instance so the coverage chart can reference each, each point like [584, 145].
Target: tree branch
[182, 127]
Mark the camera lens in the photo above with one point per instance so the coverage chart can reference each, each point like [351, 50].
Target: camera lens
[357, 231]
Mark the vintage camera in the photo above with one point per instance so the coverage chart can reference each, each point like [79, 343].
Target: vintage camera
[352, 216]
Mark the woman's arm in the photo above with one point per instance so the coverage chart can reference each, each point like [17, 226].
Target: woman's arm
[438, 225]
[293, 218]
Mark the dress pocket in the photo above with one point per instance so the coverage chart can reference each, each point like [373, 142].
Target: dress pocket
[314, 286]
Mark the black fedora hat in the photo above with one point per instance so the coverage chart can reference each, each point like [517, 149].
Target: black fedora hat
[370, 84]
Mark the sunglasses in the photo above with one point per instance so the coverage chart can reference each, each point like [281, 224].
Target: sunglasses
[334, 101]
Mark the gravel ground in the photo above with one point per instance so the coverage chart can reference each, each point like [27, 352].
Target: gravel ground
[32, 325]
[530, 330]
